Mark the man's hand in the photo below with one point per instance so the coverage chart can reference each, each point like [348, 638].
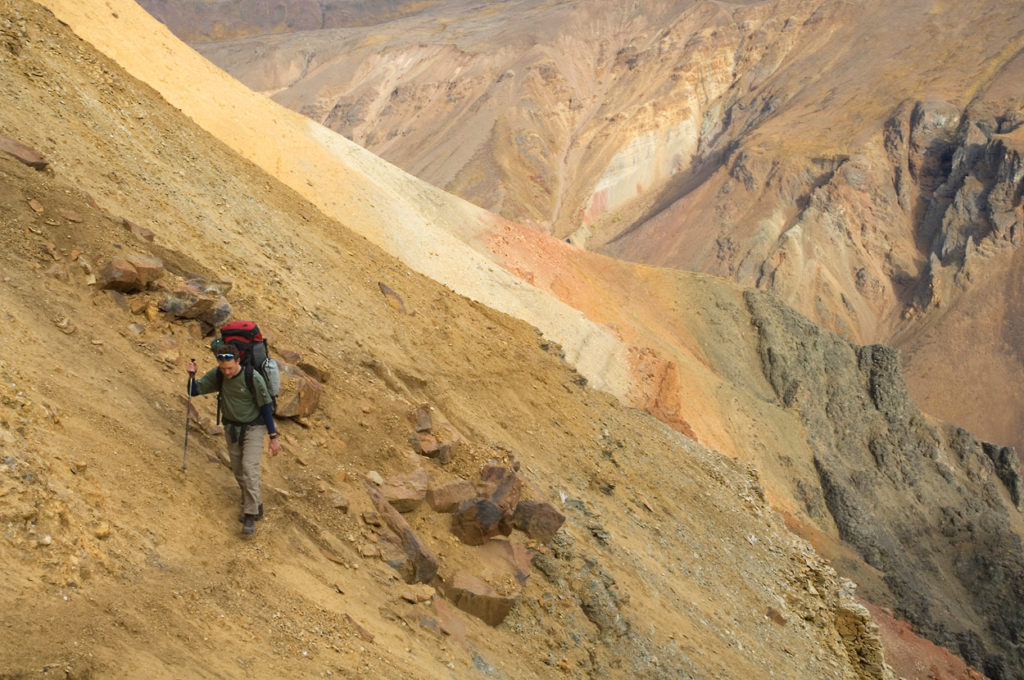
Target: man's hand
[275, 446]
[191, 367]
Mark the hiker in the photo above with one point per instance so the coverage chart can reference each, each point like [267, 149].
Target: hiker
[248, 416]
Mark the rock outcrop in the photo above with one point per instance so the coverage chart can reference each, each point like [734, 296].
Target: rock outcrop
[908, 494]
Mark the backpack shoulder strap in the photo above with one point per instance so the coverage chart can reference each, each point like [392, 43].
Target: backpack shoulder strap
[220, 386]
[250, 383]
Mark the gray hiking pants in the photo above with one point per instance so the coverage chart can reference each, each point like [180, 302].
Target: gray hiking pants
[245, 458]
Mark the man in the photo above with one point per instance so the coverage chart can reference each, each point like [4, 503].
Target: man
[248, 416]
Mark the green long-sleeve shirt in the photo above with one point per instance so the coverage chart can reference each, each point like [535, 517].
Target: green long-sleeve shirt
[237, 402]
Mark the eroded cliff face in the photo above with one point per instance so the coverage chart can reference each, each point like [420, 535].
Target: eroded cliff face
[909, 494]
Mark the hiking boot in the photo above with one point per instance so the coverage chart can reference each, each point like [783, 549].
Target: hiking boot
[249, 524]
[258, 515]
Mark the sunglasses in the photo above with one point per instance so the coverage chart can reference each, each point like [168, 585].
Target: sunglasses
[225, 357]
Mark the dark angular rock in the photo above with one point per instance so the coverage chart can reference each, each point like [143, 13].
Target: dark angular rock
[537, 520]
[421, 418]
[425, 444]
[189, 301]
[417, 563]
[502, 486]
[479, 519]
[475, 597]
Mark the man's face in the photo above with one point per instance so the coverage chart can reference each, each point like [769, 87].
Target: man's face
[228, 364]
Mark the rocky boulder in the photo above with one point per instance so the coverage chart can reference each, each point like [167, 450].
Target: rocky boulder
[479, 519]
[23, 153]
[502, 486]
[405, 492]
[537, 520]
[475, 597]
[448, 497]
[413, 559]
[300, 394]
[196, 300]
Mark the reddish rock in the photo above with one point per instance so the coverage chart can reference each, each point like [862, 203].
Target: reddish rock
[189, 301]
[425, 444]
[139, 231]
[502, 486]
[318, 373]
[149, 268]
[475, 597]
[25, 154]
[449, 497]
[119, 274]
[300, 394]
[449, 620]
[478, 519]
[406, 492]
[537, 520]
[417, 563]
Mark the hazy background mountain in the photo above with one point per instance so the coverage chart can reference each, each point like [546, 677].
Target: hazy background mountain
[861, 160]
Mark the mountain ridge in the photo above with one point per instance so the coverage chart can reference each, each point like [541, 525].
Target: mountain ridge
[773, 143]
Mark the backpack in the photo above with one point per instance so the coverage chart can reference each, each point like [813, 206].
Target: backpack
[253, 357]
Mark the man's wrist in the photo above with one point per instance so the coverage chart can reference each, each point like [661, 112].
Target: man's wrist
[274, 435]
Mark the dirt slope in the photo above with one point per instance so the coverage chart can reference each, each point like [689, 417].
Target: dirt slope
[119, 564]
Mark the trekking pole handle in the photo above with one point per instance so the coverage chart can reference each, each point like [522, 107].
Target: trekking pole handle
[188, 413]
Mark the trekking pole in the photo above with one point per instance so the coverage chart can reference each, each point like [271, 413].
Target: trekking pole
[188, 415]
